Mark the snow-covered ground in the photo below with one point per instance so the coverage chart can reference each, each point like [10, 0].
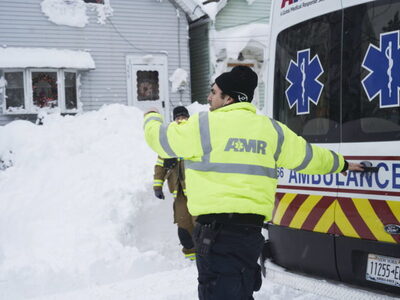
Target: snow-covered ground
[78, 219]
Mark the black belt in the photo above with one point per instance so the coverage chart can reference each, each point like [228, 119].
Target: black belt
[232, 218]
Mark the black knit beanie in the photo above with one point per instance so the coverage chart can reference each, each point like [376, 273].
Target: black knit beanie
[239, 83]
[180, 111]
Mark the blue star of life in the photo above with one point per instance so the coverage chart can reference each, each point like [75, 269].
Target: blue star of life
[384, 66]
[304, 85]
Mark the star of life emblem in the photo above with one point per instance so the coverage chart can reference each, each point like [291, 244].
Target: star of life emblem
[383, 63]
[304, 85]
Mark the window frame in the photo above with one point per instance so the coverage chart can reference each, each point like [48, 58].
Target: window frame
[144, 69]
[30, 108]
[63, 96]
[29, 84]
[4, 106]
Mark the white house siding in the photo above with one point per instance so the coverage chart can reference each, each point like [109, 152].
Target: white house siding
[147, 24]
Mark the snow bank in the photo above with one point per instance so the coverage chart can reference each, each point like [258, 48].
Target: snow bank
[77, 206]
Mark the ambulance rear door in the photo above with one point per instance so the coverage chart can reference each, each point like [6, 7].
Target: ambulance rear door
[367, 216]
[304, 93]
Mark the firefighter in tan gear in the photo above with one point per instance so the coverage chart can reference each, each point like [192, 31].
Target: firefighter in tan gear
[172, 170]
[231, 159]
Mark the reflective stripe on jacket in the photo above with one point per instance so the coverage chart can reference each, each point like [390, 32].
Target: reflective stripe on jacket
[231, 157]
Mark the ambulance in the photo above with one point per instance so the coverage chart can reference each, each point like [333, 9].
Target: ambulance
[334, 78]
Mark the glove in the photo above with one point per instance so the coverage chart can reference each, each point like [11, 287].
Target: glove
[159, 194]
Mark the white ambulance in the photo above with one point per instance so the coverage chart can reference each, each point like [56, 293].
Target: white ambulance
[334, 78]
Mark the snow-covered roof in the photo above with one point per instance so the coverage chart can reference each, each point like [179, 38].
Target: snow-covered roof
[15, 57]
[192, 9]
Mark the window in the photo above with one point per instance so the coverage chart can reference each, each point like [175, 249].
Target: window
[371, 107]
[70, 90]
[147, 85]
[310, 107]
[15, 90]
[29, 90]
[44, 89]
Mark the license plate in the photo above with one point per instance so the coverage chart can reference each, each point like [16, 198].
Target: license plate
[383, 269]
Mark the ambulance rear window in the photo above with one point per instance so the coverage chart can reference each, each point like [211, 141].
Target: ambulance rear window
[371, 72]
[307, 78]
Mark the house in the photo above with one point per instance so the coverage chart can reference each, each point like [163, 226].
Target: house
[236, 32]
[70, 56]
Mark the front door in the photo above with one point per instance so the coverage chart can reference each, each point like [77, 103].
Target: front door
[147, 82]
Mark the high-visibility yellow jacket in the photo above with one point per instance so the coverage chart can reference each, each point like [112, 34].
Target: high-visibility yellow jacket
[231, 157]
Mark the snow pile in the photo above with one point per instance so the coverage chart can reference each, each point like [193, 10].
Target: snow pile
[74, 201]
[179, 80]
[73, 12]
[18, 57]
[196, 107]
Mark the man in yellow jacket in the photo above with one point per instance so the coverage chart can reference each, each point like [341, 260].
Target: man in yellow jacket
[231, 159]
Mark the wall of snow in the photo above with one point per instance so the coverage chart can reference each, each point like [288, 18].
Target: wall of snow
[72, 200]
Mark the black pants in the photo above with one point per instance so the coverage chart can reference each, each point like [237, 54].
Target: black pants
[229, 271]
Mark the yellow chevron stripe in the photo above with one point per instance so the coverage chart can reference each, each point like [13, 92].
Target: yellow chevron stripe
[326, 220]
[282, 206]
[343, 223]
[304, 210]
[395, 208]
[373, 222]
